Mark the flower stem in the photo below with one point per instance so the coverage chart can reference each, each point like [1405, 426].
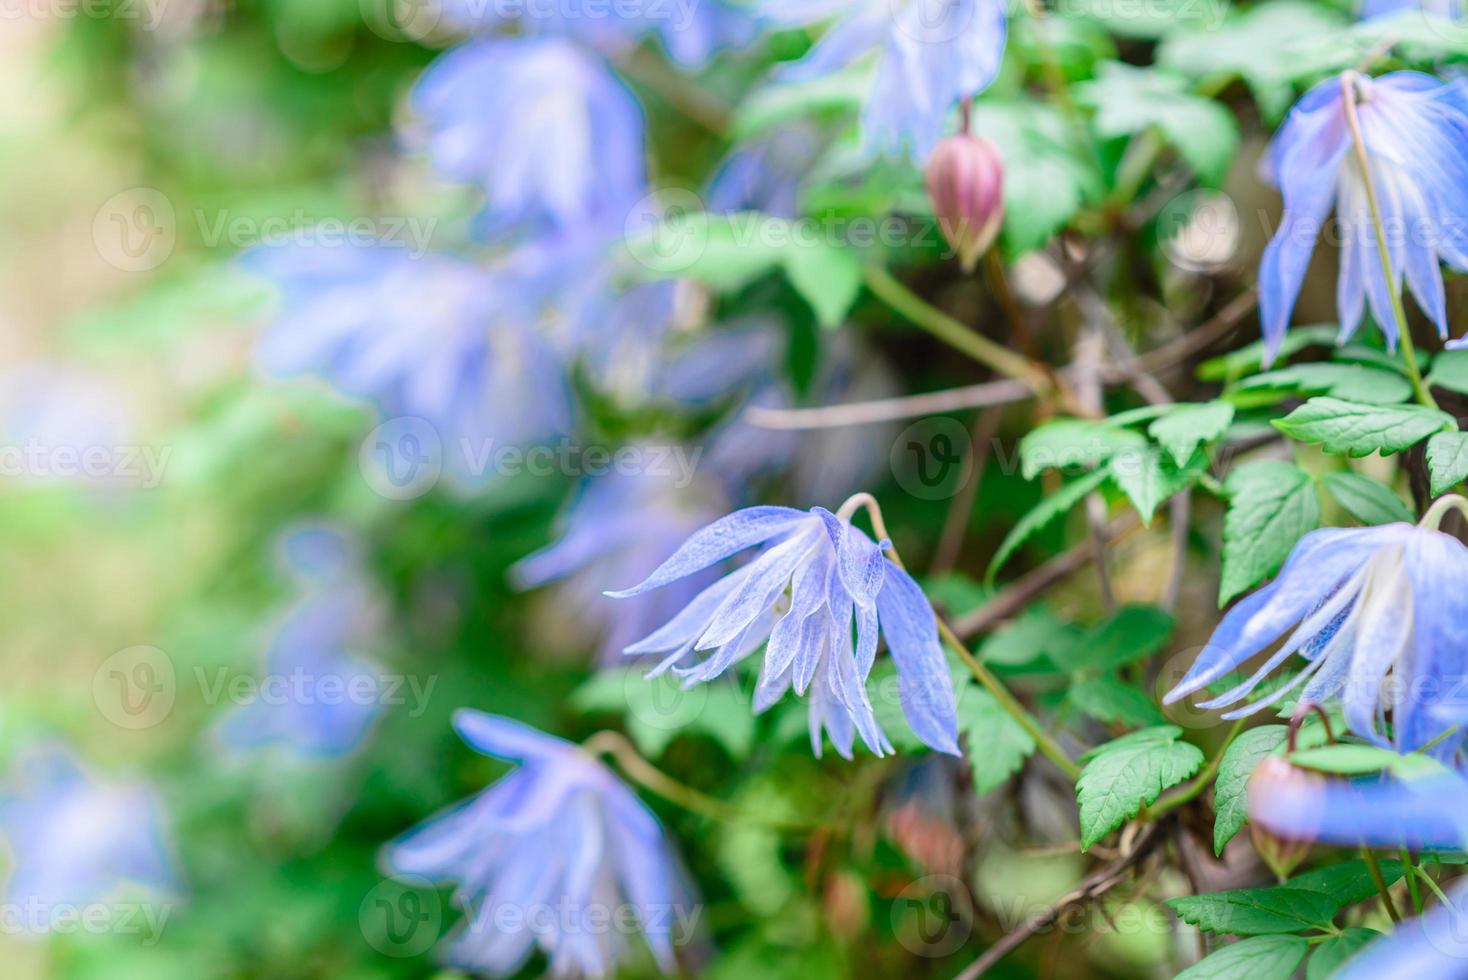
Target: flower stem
[1386, 896]
[1399, 312]
[953, 333]
[616, 746]
[1201, 781]
[1410, 867]
[1043, 741]
[1421, 872]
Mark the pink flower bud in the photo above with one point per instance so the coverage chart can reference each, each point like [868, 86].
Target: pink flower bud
[965, 181]
[1272, 779]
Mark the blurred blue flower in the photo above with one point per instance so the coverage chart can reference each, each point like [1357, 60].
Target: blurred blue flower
[316, 697]
[1446, 9]
[1381, 620]
[1415, 130]
[77, 841]
[934, 54]
[432, 337]
[691, 31]
[553, 137]
[560, 844]
[815, 574]
[1433, 946]
[619, 529]
[765, 174]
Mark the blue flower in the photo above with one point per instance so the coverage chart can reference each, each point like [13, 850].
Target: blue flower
[1433, 946]
[620, 528]
[766, 173]
[76, 841]
[934, 54]
[316, 698]
[1415, 131]
[1446, 9]
[1380, 619]
[433, 337]
[553, 137]
[815, 576]
[549, 856]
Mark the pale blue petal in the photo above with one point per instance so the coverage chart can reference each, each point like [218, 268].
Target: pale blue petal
[725, 537]
[924, 684]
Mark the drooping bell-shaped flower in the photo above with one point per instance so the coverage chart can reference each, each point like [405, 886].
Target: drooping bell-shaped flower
[76, 840]
[816, 581]
[541, 124]
[563, 847]
[1414, 129]
[932, 54]
[965, 180]
[1376, 615]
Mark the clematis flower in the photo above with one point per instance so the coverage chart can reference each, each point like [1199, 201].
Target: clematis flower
[317, 697]
[765, 174]
[433, 337]
[1378, 619]
[553, 137]
[76, 840]
[1415, 131]
[560, 835]
[814, 577]
[1446, 9]
[933, 54]
[620, 527]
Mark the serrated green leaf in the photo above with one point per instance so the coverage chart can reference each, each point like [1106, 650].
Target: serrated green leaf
[1447, 461]
[1034, 634]
[1349, 882]
[1043, 513]
[1148, 478]
[1350, 759]
[1122, 776]
[1260, 958]
[1185, 428]
[1332, 954]
[1355, 382]
[1271, 504]
[1257, 911]
[1450, 371]
[1358, 429]
[1230, 796]
[1131, 100]
[1250, 357]
[827, 276]
[1366, 500]
[1111, 702]
[1133, 633]
[997, 744]
[1072, 443]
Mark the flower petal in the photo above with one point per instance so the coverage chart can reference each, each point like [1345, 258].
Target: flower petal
[924, 685]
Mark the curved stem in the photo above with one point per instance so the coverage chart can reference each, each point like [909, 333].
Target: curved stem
[1200, 782]
[1410, 867]
[1381, 888]
[953, 333]
[1439, 509]
[1043, 741]
[616, 746]
[1399, 312]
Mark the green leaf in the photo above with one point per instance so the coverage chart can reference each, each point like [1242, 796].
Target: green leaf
[1357, 382]
[1260, 958]
[1033, 634]
[1252, 46]
[1257, 911]
[1110, 701]
[1042, 514]
[1185, 428]
[1350, 759]
[1348, 882]
[657, 711]
[1271, 504]
[1131, 100]
[1332, 954]
[1250, 357]
[997, 744]
[1148, 479]
[1122, 776]
[1072, 443]
[1447, 460]
[1230, 796]
[1134, 633]
[1359, 429]
[1366, 500]
[839, 93]
[1155, 19]
[827, 276]
[1450, 371]
[725, 252]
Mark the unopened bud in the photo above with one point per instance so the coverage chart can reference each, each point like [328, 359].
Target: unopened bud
[965, 179]
[1281, 811]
